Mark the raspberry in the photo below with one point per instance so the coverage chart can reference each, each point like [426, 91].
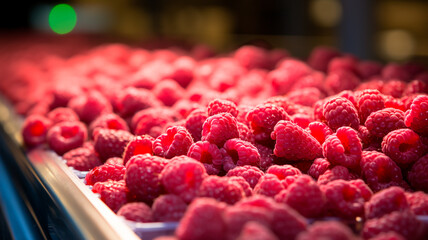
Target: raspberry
[320, 57]
[365, 136]
[386, 201]
[343, 199]
[305, 96]
[132, 100]
[194, 122]
[142, 176]
[332, 230]
[395, 71]
[202, 220]
[388, 236]
[252, 57]
[151, 121]
[107, 121]
[408, 100]
[374, 83]
[368, 69]
[334, 173]
[248, 191]
[403, 223]
[138, 145]
[136, 211]
[168, 92]
[174, 142]
[115, 160]
[217, 106]
[250, 173]
[369, 101]
[312, 80]
[221, 189]
[343, 148]
[319, 131]
[255, 231]
[184, 107]
[381, 122]
[266, 156]
[318, 167]
[113, 193]
[62, 114]
[282, 102]
[396, 103]
[111, 143]
[417, 116]
[283, 171]
[245, 133]
[35, 129]
[294, 143]
[82, 158]
[219, 128]
[301, 119]
[89, 106]
[286, 222]
[394, 88]
[276, 55]
[345, 63]
[105, 172]
[417, 175]
[340, 80]
[418, 202]
[208, 154]
[183, 177]
[365, 190]
[415, 86]
[340, 112]
[65, 136]
[304, 195]
[262, 120]
[183, 70]
[239, 153]
[286, 74]
[403, 146]
[168, 208]
[268, 185]
[62, 94]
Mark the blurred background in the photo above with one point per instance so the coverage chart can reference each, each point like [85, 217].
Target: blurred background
[386, 30]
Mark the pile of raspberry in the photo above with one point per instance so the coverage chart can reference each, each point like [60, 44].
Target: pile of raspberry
[254, 144]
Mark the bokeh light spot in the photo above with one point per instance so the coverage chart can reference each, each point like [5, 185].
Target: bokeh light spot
[62, 18]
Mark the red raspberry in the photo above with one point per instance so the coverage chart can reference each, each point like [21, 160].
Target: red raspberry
[168, 92]
[62, 114]
[114, 160]
[276, 55]
[319, 131]
[262, 120]
[113, 193]
[374, 83]
[416, 86]
[62, 94]
[305, 96]
[417, 175]
[105, 172]
[151, 121]
[132, 100]
[174, 142]
[217, 106]
[184, 107]
[183, 177]
[343, 148]
[395, 71]
[194, 122]
[242, 113]
[294, 143]
[396, 103]
[369, 101]
[35, 129]
[388, 236]
[343, 199]
[252, 57]
[107, 121]
[221, 189]
[379, 171]
[89, 106]
[248, 191]
[394, 88]
[287, 74]
[366, 138]
[408, 100]
[304, 195]
[138, 145]
[368, 69]
[340, 80]
[282, 102]
[266, 156]
[301, 119]
[318, 167]
[418, 202]
[142, 176]
[283, 171]
[403, 146]
[320, 57]
[111, 143]
[136, 211]
[381, 122]
[332, 230]
[245, 133]
[386, 201]
[203, 220]
[255, 231]
[312, 80]
[239, 153]
[340, 112]
[334, 173]
[168, 208]
[365, 190]
[250, 173]
[345, 63]
[268, 185]
[417, 116]
[286, 222]
[82, 158]
[403, 223]
[219, 128]
[65, 136]
[208, 154]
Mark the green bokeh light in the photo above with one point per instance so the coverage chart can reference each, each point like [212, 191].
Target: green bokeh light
[62, 18]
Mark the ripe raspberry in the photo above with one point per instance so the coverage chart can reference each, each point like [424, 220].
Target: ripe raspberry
[239, 153]
[332, 230]
[417, 116]
[386, 201]
[388, 236]
[343, 199]
[365, 190]
[343, 148]
[168, 92]
[132, 100]
[221, 189]
[266, 156]
[305, 96]
[418, 202]
[183, 70]
[242, 113]
[89, 106]
[268, 185]
[107, 121]
[318, 167]
[294, 143]
[374, 83]
[396, 103]
[382, 122]
[395, 71]
[250, 173]
[35, 129]
[403, 146]
[320, 57]
[217, 106]
[283, 171]
[82, 158]
[394, 88]
[319, 131]
[111, 143]
[286, 222]
[151, 121]
[304, 195]
[262, 120]
[408, 100]
[340, 112]
[417, 175]
[312, 80]
[369, 101]
[194, 122]
[248, 191]
[62, 114]
[404, 223]
[252, 57]
[62, 94]
[286, 74]
[208, 154]
[105, 172]
[183, 177]
[138, 145]
[174, 142]
[114, 160]
[219, 128]
[301, 119]
[334, 173]
[346, 63]
[184, 107]
[282, 102]
[203, 220]
[366, 138]
[368, 69]
[416, 86]
[65, 136]
[142, 176]
[245, 133]
[255, 231]
[113, 193]
[136, 211]
[340, 80]
[168, 208]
